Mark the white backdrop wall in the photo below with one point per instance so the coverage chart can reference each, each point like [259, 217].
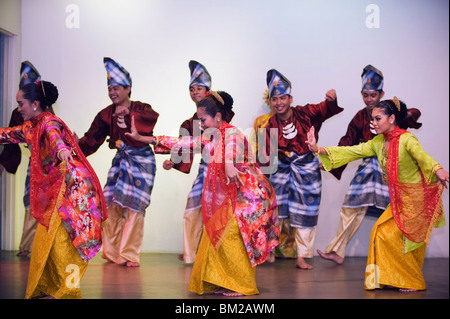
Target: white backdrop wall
[318, 45]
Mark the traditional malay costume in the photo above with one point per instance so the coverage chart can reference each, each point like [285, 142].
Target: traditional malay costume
[297, 180]
[67, 201]
[399, 237]
[130, 179]
[11, 157]
[368, 193]
[241, 223]
[192, 220]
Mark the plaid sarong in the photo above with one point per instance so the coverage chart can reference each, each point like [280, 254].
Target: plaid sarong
[130, 179]
[367, 187]
[298, 187]
[194, 200]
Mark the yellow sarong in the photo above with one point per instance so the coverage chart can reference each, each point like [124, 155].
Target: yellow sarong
[228, 267]
[386, 262]
[56, 268]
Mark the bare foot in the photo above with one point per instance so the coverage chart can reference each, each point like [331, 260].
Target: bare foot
[132, 264]
[230, 293]
[271, 258]
[331, 256]
[400, 289]
[220, 291]
[407, 290]
[302, 264]
[43, 296]
[23, 253]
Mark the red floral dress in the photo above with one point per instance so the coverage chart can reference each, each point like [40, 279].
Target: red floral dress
[72, 189]
[253, 204]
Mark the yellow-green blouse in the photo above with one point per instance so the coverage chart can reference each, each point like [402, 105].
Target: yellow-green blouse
[412, 160]
[412, 157]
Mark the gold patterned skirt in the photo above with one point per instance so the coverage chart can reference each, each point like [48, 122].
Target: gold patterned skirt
[387, 265]
[56, 268]
[227, 267]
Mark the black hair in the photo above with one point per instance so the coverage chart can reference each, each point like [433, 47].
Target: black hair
[213, 106]
[125, 87]
[44, 92]
[389, 108]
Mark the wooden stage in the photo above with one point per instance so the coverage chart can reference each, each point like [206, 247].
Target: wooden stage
[162, 276]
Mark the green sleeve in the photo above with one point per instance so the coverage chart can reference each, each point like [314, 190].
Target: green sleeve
[341, 155]
[419, 157]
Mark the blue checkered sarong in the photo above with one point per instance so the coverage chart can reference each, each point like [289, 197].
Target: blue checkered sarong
[194, 200]
[367, 187]
[298, 188]
[130, 179]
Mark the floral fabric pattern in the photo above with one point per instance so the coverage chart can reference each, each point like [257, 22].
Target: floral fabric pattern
[253, 204]
[71, 189]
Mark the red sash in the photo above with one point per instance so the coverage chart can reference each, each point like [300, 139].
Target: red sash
[416, 207]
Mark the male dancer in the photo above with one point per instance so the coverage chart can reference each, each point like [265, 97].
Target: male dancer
[297, 180]
[130, 179]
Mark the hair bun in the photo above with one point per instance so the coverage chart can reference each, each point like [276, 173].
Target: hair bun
[51, 93]
[227, 99]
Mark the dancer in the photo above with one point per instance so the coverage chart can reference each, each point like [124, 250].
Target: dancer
[368, 193]
[297, 179]
[11, 157]
[130, 179]
[65, 194]
[199, 88]
[399, 237]
[239, 205]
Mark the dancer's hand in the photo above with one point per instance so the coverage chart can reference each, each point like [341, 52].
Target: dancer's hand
[168, 164]
[232, 174]
[134, 134]
[311, 140]
[330, 96]
[65, 155]
[442, 175]
[121, 111]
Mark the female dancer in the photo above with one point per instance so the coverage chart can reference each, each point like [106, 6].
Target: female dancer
[416, 181]
[66, 196]
[238, 204]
